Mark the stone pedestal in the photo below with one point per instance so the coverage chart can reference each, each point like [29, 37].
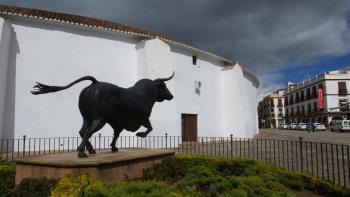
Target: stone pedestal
[122, 165]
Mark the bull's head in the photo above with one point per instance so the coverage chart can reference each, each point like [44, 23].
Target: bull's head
[163, 92]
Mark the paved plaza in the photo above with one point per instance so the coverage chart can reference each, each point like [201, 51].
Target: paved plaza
[319, 136]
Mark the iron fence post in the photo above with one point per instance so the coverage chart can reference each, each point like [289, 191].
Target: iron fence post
[24, 144]
[99, 141]
[1, 148]
[231, 145]
[202, 148]
[166, 140]
[301, 153]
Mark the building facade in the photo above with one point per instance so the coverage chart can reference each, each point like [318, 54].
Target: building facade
[271, 110]
[216, 96]
[321, 99]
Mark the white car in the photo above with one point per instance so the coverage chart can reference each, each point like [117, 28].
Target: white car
[292, 126]
[301, 126]
[319, 127]
[340, 125]
[284, 126]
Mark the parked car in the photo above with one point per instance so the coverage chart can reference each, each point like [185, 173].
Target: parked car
[292, 126]
[319, 127]
[283, 126]
[340, 125]
[301, 126]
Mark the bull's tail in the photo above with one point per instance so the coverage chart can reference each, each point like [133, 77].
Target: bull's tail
[43, 89]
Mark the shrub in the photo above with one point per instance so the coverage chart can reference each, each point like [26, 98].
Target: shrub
[74, 186]
[210, 176]
[185, 176]
[71, 186]
[132, 188]
[7, 177]
[39, 187]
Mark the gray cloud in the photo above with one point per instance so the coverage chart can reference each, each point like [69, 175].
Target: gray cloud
[265, 36]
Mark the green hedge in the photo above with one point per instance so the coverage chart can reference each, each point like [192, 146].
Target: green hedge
[7, 177]
[38, 187]
[183, 176]
[74, 186]
[210, 176]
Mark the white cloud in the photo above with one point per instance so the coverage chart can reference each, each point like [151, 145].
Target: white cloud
[270, 82]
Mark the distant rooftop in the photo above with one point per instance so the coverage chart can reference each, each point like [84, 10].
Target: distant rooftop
[334, 74]
[343, 71]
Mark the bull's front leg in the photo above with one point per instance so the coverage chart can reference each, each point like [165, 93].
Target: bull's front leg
[115, 137]
[148, 125]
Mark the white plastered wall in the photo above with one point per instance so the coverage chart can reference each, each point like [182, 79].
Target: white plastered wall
[207, 105]
[154, 61]
[5, 37]
[57, 55]
[240, 103]
[332, 97]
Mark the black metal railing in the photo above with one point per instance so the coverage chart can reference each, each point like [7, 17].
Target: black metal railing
[324, 160]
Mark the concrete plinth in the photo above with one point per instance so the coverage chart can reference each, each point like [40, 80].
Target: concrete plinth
[122, 165]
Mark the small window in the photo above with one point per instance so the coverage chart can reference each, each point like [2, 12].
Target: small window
[342, 88]
[314, 93]
[194, 59]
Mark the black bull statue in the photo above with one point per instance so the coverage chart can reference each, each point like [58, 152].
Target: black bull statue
[122, 108]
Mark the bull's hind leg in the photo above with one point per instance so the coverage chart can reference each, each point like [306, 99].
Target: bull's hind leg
[82, 131]
[95, 126]
[148, 125]
[116, 134]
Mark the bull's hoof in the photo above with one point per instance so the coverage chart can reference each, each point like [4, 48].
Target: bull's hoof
[92, 151]
[82, 155]
[141, 134]
[114, 149]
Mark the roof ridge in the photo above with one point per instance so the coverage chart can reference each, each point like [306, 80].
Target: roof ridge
[90, 22]
[102, 24]
[69, 18]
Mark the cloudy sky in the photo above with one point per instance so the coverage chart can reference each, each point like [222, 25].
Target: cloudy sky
[279, 40]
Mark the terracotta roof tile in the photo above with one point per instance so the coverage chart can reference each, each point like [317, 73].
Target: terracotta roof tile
[69, 18]
[76, 20]
[98, 24]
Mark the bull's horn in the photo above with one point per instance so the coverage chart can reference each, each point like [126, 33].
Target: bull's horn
[166, 79]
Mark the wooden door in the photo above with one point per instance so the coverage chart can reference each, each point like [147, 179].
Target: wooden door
[189, 127]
